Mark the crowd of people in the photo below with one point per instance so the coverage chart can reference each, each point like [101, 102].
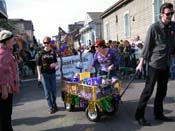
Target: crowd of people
[127, 55]
[127, 52]
[26, 61]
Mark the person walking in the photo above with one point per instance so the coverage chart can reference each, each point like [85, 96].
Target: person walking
[46, 68]
[9, 82]
[159, 44]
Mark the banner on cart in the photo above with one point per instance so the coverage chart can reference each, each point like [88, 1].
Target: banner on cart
[70, 63]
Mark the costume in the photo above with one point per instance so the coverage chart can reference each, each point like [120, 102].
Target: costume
[105, 61]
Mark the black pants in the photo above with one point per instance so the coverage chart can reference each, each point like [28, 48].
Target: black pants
[5, 113]
[161, 77]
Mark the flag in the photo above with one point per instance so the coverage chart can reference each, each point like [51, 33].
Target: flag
[65, 37]
[62, 34]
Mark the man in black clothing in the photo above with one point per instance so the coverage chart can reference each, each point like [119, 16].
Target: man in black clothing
[159, 44]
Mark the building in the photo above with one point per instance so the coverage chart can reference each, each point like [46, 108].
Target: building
[75, 26]
[25, 33]
[128, 18]
[73, 31]
[24, 27]
[92, 29]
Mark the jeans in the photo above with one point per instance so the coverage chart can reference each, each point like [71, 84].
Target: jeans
[50, 91]
[161, 77]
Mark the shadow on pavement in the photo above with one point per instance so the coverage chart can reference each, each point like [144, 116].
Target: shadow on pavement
[30, 91]
[35, 120]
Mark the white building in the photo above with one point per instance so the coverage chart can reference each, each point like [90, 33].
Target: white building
[92, 29]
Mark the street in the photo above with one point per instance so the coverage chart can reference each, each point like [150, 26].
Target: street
[30, 112]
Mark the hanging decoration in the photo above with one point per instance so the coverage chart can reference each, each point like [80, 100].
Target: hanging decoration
[91, 106]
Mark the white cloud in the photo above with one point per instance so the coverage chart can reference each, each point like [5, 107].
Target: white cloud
[48, 15]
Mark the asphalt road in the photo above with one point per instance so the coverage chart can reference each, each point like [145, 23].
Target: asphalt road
[30, 112]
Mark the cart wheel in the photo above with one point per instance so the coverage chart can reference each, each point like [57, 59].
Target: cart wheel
[113, 109]
[68, 107]
[92, 116]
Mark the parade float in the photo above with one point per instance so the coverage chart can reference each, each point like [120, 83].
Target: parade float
[95, 95]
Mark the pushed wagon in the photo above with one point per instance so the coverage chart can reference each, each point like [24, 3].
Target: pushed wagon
[92, 95]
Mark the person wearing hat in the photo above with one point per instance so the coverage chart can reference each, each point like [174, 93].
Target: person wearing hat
[9, 82]
[107, 58]
[46, 68]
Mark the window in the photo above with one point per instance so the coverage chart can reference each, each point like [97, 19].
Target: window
[82, 39]
[127, 25]
[92, 37]
[116, 19]
[106, 31]
[157, 4]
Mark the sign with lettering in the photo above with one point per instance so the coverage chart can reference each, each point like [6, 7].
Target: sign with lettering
[70, 63]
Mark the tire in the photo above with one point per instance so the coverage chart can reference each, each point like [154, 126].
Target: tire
[92, 116]
[113, 109]
[68, 107]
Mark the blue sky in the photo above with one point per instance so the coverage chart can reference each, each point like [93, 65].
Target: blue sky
[48, 15]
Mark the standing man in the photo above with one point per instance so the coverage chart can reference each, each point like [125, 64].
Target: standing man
[9, 81]
[159, 44]
[46, 68]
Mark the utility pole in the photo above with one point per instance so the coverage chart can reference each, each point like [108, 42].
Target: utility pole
[81, 52]
[59, 52]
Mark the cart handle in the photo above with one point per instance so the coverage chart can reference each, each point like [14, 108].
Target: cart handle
[129, 84]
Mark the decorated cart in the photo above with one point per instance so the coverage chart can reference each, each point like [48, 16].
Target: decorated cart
[95, 95]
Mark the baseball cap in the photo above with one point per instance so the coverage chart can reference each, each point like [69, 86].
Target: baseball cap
[5, 35]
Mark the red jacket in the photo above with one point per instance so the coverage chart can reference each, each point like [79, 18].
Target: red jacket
[8, 71]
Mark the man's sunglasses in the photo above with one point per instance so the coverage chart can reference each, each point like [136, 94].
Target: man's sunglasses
[168, 14]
